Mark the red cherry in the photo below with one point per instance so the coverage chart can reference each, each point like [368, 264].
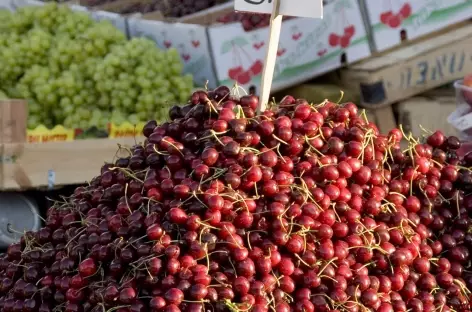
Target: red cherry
[87, 267]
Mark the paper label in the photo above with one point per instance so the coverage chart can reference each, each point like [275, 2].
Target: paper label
[43, 134]
[126, 130]
[303, 8]
[51, 179]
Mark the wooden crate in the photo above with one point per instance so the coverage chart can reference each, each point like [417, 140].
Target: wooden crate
[37, 165]
[413, 69]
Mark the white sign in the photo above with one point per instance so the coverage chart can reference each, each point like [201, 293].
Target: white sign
[302, 8]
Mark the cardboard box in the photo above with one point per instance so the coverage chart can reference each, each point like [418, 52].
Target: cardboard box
[226, 54]
[318, 92]
[190, 40]
[428, 112]
[408, 71]
[308, 47]
[7, 5]
[393, 20]
[13, 120]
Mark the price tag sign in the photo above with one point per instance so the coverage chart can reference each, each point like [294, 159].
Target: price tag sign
[277, 8]
[302, 8]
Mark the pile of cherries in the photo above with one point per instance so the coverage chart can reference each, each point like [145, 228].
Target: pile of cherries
[303, 208]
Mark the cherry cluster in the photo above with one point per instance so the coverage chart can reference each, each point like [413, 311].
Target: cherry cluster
[302, 208]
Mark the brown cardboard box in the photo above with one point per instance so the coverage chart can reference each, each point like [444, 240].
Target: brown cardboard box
[13, 121]
[428, 111]
[414, 69]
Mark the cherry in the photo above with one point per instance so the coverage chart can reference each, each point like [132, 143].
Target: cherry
[127, 295]
[87, 267]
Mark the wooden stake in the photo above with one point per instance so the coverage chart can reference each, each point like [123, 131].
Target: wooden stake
[271, 56]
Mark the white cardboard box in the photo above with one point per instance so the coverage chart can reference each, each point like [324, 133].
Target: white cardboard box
[7, 5]
[390, 20]
[308, 47]
[226, 54]
[190, 40]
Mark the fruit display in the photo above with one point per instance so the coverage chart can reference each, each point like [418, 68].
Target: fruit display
[80, 73]
[304, 208]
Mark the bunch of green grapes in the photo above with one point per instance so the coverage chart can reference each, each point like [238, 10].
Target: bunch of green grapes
[22, 53]
[141, 81]
[82, 73]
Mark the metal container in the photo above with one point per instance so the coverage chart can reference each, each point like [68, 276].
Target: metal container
[18, 214]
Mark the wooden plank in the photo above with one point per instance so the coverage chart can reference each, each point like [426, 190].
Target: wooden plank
[13, 120]
[30, 165]
[413, 69]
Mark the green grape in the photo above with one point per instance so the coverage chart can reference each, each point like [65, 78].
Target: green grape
[81, 73]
